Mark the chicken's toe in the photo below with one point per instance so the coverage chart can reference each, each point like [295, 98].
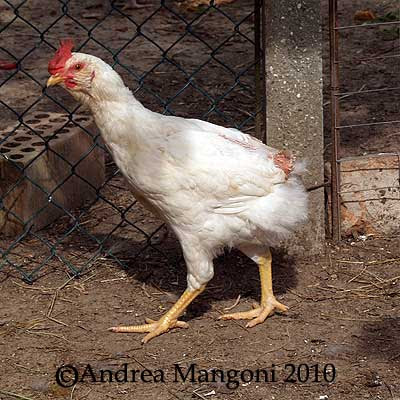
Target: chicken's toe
[258, 314]
[241, 315]
[263, 313]
[167, 321]
[162, 327]
[155, 328]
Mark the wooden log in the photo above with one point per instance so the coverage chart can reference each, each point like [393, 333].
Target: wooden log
[47, 172]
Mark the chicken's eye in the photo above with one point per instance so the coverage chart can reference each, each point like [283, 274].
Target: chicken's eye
[78, 67]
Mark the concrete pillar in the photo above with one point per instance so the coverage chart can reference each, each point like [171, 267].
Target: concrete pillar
[294, 100]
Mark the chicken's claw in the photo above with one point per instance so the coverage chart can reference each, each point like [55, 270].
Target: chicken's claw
[258, 314]
[167, 321]
[155, 328]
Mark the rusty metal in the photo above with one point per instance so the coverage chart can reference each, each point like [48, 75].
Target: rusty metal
[367, 124]
[377, 58]
[335, 97]
[341, 94]
[370, 194]
[335, 134]
[370, 25]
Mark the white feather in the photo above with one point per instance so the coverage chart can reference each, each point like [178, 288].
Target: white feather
[216, 187]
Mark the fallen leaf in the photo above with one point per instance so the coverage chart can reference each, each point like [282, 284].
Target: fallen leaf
[364, 15]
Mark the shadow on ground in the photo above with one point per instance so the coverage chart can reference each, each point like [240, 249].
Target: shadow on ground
[163, 267]
[380, 340]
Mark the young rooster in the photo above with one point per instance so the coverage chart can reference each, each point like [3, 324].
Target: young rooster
[215, 187]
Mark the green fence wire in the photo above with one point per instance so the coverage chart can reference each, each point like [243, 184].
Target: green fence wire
[180, 58]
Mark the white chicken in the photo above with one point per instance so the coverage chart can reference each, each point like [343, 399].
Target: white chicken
[215, 187]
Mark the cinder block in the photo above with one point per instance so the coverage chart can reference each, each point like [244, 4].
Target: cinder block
[370, 194]
[28, 164]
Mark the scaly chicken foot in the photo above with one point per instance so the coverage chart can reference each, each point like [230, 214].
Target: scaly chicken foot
[155, 328]
[268, 301]
[258, 314]
[167, 322]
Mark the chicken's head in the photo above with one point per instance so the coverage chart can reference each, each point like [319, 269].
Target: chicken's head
[69, 69]
[83, 75]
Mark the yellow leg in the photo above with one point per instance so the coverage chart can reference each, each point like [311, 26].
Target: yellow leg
[269, 304]
[167, 321]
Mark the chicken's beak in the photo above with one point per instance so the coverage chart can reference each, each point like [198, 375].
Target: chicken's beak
[54, 80]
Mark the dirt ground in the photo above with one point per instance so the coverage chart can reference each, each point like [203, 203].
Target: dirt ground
[344, 304]
[344, 310]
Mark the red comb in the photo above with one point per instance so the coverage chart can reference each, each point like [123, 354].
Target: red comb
[61, 57]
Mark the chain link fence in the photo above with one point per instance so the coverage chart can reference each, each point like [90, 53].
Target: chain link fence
[63, 202]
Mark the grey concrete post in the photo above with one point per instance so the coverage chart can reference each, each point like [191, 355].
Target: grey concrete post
[294, 100]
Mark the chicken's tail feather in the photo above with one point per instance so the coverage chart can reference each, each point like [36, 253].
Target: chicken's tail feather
[299, 168]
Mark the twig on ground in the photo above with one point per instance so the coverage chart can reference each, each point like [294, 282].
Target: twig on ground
[15, 395]
[356, 276]
[145, 291]
[233, 305]
[72, 391]
[50, 334]
[198, 394]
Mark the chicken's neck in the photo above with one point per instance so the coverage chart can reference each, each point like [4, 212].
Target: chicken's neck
[120, 117]
[103, 96]
[129, 130]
